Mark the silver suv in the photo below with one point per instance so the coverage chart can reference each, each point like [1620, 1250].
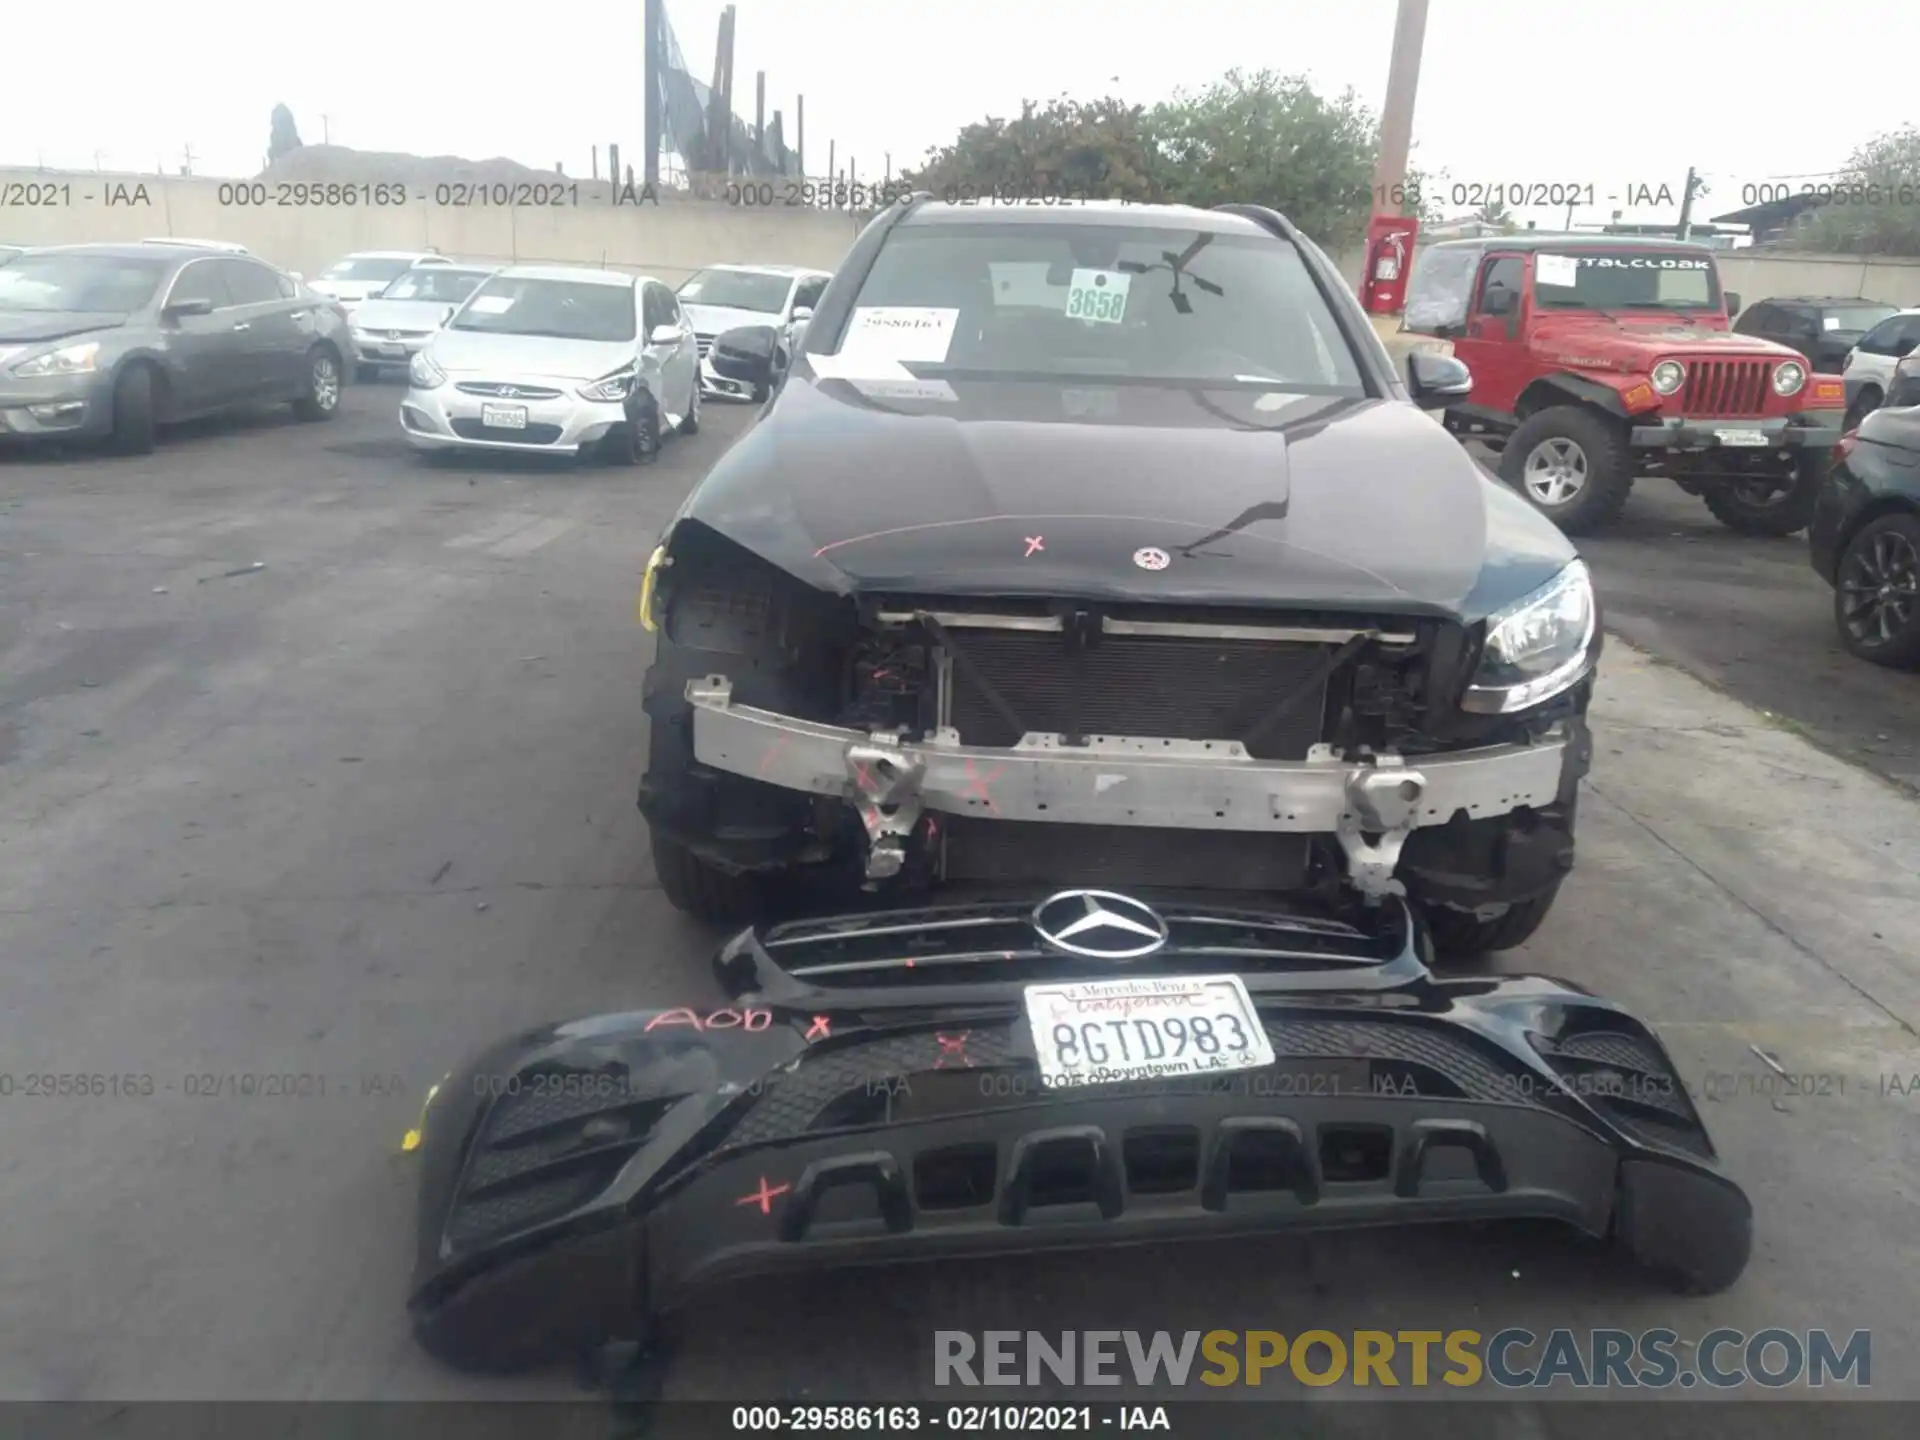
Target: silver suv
[1870, 365]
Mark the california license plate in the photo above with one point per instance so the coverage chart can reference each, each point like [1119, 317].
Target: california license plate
[1743, 437]
[1099, 1032]
[504, 417]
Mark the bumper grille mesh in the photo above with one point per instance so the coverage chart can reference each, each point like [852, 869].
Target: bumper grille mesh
[468, 429]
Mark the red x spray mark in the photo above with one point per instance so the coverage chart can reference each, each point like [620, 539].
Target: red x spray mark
[820, 1029]
[976, 788]
[1034, 546]
[764, 1196]
[951, 1046]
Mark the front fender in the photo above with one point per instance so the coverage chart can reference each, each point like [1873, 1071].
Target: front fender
[1570, 389]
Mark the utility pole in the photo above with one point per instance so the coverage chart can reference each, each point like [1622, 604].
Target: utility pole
[326, 131]
[1396, 116]
[760, 111]
[655, 92]
[800, 133]
[1686, 204]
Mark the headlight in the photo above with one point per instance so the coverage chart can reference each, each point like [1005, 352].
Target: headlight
[1789, 377]
[423, 374]
[614, 387]
[1537, 646]
[68, 360]
[1668, 376]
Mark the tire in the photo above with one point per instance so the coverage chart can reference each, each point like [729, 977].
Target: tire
[1885, 552]
[1781, 513]
[132, 430]
[1864, 404]
[1569, 442]
[320, 394]
[698, 889]
[760, 394]
[1458, 935]
[638, 441]
[691, 425]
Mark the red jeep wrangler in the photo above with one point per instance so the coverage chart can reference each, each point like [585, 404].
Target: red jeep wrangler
[1598, 359]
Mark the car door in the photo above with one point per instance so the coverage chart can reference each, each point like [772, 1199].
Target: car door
[674, 361]
[273, 343]
[206, 359]
[1761, 320]
[1489, 343]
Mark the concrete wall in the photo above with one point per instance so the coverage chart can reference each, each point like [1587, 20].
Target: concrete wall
[670, 239]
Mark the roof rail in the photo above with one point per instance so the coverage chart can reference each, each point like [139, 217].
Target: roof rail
[1265, 217]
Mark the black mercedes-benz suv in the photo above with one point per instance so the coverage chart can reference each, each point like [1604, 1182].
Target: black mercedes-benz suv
[1105, 545]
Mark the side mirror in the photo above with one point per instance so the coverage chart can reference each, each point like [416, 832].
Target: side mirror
[450, 312]
[666, 335]
[1733, 303]
[1436, 381]
[802, 313]
[1499, 300]
[746, 354]
[180, 309]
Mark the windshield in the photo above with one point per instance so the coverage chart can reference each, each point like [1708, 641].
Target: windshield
[439, 283]
[562, 309]
[1613, 281]
[738, 290]
[1100, 302]
[1855, 317]
[368, 267]
[68, 282]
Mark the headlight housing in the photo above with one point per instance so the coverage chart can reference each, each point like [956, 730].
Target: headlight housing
[423, 374]
[611, 388]
[1668, 376]
[67, 360]
[1788, 377]
[1536, 647]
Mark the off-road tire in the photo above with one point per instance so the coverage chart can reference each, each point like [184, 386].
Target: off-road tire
[698, 889]
[132, 430]
[1902, 651]
[316, 401]
[1609, 466]
[1783, 515]
[1459, 936]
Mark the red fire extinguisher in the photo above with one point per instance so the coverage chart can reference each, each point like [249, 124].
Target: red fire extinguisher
[1390, 239]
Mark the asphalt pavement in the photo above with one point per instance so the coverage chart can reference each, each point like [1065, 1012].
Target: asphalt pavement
[317, 770]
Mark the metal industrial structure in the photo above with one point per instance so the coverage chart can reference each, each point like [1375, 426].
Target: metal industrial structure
[694, 123]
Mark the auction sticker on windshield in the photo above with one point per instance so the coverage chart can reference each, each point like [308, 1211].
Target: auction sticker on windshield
[1099, 1032]
[1555, 270]
[491, 304]
[901, 332]
[1098, 295]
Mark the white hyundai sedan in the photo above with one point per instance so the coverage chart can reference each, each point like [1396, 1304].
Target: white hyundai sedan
[557, 360]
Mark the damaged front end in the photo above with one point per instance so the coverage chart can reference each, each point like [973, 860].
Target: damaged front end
[874, 1091]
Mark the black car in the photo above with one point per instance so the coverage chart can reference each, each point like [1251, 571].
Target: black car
[1865, 533]
[1821, 327]
[1106, 547]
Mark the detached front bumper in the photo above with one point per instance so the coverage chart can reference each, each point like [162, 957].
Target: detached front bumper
[1371, 806]
[558, 420]
[1813, 430]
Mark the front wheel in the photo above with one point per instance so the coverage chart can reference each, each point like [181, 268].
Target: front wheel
[1876, 594]
[1459, 935]
[1757, 507]
[133, 412]
[320, 392]
[1572, 465]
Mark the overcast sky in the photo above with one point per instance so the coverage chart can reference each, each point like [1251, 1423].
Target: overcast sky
[1615, 95]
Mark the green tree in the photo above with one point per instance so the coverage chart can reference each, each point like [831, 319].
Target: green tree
[286, 135]
[1875, 209]
[1101, 148]
[1495, 213]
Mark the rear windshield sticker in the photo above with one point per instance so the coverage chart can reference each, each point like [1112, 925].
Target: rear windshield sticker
[901, 332]
[491, 304]
[1099, 295]
[1556, 270]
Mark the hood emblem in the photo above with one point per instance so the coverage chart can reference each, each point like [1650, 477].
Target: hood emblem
[507, 392]
[1099, 925]
[1152, 558]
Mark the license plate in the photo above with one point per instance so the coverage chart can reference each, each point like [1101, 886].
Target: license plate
[390, 352]
[1743, 437]
[504, 417]
[1099, 1032]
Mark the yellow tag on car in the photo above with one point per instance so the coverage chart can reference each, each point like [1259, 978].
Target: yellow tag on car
[413, 1138]
[645, 607]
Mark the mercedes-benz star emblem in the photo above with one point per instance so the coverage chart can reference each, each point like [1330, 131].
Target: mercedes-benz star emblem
[507, 392]
[1099, 924]
[1152, 559]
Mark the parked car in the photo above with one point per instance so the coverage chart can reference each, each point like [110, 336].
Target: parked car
[557, 359]
[228, 247]
[7, 252]
[1176, 498]
[108, 341]
[395, 325]
[1598, 360]
[1868, 368]
[1821, 327]
[722, 297]
[365, 273]
[1866, 529]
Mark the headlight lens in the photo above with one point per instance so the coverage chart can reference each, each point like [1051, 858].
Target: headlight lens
[1668, 376]
[614, 387]
[68, 360]
[423, 374]
[1789, 377]
[1537, 646]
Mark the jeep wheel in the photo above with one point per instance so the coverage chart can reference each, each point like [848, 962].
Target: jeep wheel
[1572, 465]
[1758, 507]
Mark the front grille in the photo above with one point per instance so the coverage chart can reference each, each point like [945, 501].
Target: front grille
[1117, 857]
[500, 391]
[469, 429]
[1163, 687]
[1726, 387]
[703, 342]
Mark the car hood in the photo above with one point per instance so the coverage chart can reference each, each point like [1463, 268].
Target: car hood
[714, 319]
[400, 314]
[1641, 340]
[1051, 490]
[26, 327]
[469, 352]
